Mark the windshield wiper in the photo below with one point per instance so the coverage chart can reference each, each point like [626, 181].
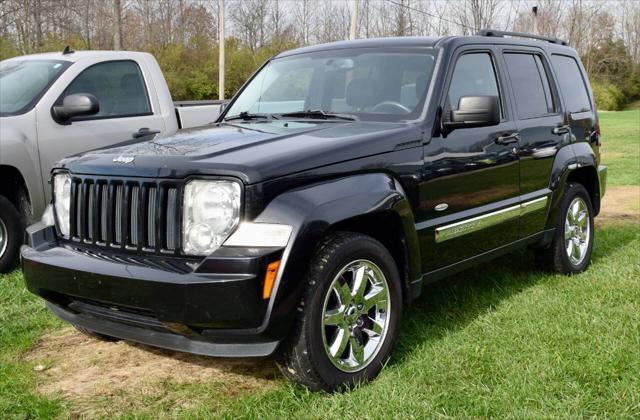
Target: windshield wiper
[319, 114]
[244, 115]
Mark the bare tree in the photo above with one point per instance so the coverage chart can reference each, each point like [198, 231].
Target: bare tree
[333, 24]
[304, 17]
[473, 15]
[249, 18]
[33, 25]
[630, 27]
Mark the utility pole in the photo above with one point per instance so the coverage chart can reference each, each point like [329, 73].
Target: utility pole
[354, 20]
[534, 9]
[221, 49]
[117, 25]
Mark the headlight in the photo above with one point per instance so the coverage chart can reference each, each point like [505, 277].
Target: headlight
[211, 212]
[62, 201]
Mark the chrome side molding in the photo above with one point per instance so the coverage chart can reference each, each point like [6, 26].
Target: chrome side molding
[533, 205]
[463, 227]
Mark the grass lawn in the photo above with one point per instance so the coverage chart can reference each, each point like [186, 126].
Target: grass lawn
[621, 146]
[502, 340]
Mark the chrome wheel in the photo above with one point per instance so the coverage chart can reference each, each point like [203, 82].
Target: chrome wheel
[355, 315]
[577, 231]
[3, 238]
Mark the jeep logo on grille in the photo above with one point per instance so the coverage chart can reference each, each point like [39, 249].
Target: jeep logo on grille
[124, 159]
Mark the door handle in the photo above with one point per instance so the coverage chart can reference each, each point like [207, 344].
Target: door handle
[508, 138]
[144, 131]
[561, 129]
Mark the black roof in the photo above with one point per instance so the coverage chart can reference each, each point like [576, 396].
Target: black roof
[408, 41]
[453, 41]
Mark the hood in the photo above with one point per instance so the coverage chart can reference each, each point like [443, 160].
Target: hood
[252, 151]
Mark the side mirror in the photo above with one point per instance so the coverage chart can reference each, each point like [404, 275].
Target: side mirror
[474, 111]
[76, 105]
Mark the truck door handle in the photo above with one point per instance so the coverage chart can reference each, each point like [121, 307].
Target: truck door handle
[508, 138]
[144, 131]
[561, 129]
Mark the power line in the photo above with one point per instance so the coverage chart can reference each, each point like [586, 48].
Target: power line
[432, 15]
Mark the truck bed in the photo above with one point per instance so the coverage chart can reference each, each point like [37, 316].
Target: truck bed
[197, 113]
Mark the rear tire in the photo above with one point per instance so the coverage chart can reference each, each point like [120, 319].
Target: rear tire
[11, 235]
[95, 335]
[350, 313]
[570, 249]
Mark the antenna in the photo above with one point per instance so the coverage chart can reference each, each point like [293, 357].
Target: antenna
[67, 50]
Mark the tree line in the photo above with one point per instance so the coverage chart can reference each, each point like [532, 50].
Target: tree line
[182, 34]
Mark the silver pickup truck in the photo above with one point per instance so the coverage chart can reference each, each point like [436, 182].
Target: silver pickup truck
[59, 104]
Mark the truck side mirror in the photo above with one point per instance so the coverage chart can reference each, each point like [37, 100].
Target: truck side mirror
[75, 105]
[474, 111]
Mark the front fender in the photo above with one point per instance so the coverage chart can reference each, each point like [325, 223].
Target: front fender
[311, 211]
[19, 151]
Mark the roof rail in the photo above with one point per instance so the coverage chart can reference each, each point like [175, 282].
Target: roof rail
[501, 34]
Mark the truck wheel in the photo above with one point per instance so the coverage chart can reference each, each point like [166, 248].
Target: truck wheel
[11, 235]
[95, 335]
[350, 313]
[570, 250]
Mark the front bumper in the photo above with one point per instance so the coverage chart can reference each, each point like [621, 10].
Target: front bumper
[214, 307]
[166, 340]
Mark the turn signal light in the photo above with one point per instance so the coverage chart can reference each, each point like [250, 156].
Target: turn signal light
[269, 279]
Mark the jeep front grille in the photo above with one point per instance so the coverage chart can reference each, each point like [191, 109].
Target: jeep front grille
[131, 214]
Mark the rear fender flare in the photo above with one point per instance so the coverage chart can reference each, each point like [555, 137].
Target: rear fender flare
[569, 159]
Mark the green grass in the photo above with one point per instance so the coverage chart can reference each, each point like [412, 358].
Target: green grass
[23, 319]
[621, 146]
[501, 340]
[506, 342]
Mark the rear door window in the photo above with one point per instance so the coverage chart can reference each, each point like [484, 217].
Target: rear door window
[572, 84]
[530, 85]
[119, 87]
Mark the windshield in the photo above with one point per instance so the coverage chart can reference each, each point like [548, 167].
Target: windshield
[370, 84]
[23, 82]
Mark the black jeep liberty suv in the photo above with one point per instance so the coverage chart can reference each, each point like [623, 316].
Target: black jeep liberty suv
[340, 179]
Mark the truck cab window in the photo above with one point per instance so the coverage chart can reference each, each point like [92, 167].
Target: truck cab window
[119, 87]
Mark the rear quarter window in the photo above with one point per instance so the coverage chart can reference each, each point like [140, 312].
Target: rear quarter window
[571, 83]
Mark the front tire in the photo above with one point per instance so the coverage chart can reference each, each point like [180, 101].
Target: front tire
[351, 311]
[570, 250]
[11, 235]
